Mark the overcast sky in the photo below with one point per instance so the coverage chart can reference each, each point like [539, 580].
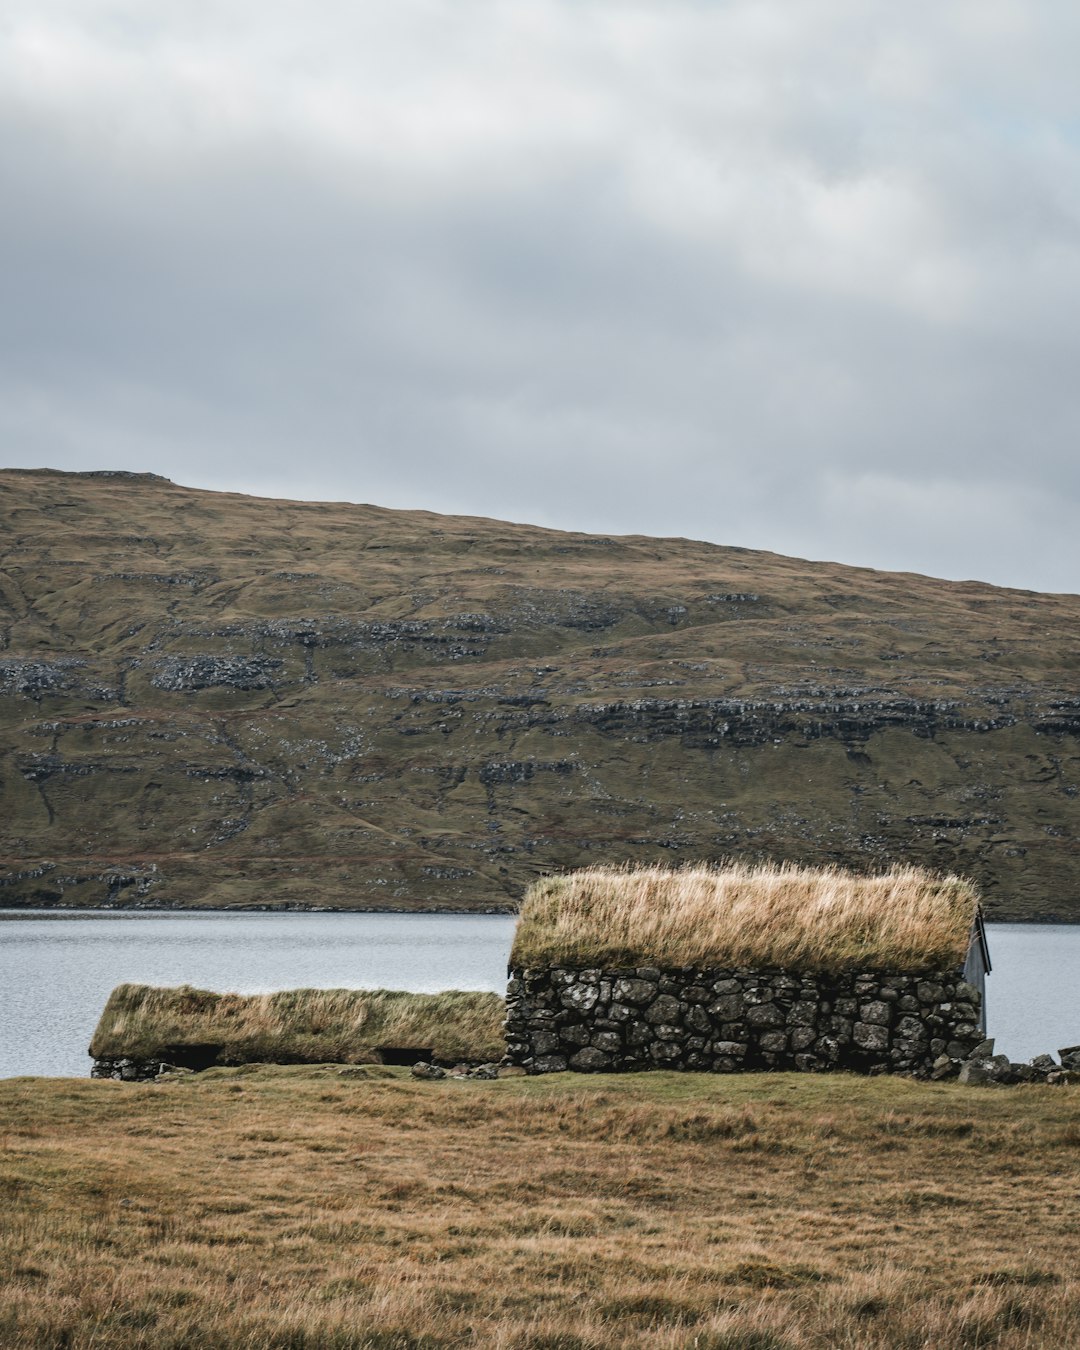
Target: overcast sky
[801, 276]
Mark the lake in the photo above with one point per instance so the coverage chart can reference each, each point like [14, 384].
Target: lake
[57, 969]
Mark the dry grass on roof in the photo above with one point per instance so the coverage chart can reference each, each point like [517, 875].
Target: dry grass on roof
[299, 1026]
[731, 915]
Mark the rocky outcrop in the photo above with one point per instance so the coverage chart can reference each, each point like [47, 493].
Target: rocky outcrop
[183, 674]
[725, 1021]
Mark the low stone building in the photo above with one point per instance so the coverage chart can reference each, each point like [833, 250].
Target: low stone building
[735, 969]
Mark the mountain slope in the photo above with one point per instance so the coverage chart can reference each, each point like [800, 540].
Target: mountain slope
[210, 699]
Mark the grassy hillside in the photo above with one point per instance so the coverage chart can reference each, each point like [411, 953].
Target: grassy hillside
[317, 1209]
[208, 699]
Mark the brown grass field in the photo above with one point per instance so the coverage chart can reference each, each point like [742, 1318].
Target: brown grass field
[738, 914]
[299, 1026]
[310, 1207]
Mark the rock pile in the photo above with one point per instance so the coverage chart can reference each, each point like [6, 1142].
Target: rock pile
[425, 1070]
[983, 1066]
[724, 1021]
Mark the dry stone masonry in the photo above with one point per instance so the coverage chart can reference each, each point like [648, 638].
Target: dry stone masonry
[724, 1021]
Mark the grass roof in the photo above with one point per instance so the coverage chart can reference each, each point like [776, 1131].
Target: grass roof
[775, 916]
[298, 1026]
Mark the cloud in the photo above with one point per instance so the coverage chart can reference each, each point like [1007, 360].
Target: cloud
[800, 276]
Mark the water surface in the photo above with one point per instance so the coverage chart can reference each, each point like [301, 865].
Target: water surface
[57, 968]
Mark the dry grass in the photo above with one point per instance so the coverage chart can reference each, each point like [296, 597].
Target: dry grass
[781, 916]
[313, 1208]
[298, 1026]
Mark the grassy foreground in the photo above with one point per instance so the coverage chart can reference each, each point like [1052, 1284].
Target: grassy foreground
[298, 1026]
[304, 1207]
[775, 915]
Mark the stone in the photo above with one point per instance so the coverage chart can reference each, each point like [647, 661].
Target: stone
[727, 986]
[423, 1070]
[870, 1036]
[648, 973]
[610, 1042]
[911, 1029]
[1044, 1064]
[633, 991]
[877, 1012]
[726, 1008]
[803, 1014]
[942, 1067]
[762, 1015]
[549, 1064]
[698, 1019]
[664, 1009]
[665, 1052]
[1070, 1057]
[590, 1060]
[807, 1063]
[637, 1033]
[774, 1042]
[545, 1042]
[511, 1071]
[802, 1038]
[576, 1035]
[983, 1050]
[580, 997]
[730, 1049]
[927, 992]
[975, 1072]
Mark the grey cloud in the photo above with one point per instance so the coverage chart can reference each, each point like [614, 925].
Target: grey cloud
[796, 277]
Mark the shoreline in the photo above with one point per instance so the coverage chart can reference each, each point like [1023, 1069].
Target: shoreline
[13, 911]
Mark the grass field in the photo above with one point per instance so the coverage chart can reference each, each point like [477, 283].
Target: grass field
[312, 1207]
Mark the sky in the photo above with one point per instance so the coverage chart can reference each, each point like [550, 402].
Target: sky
[801, 276]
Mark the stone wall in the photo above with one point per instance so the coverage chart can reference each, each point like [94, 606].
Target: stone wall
[724, 1021]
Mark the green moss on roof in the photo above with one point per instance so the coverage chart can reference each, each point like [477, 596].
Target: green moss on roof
[770, 916]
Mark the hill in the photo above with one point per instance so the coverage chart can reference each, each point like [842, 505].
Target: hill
[212, 699]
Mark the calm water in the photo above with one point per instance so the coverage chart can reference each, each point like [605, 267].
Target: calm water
[56, 970]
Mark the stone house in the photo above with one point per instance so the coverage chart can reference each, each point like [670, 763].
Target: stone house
[888, 978]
